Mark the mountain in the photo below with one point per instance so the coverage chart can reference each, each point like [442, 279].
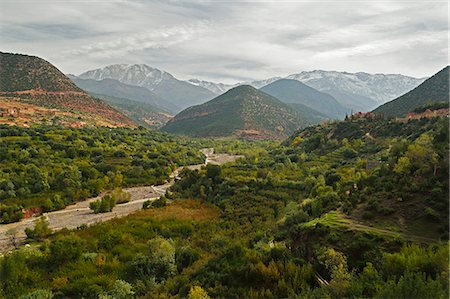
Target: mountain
[355, 91]
[32, 90]
[181, 93]
[261, 83]
[292, 91]
[361, 86]
[434, 89]
[243, 111]
[115, 88]
[217, 88]
[142, 113]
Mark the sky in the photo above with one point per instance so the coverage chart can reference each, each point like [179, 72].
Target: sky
[231, 41]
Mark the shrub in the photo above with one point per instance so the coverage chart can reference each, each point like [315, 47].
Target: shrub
[38, 294]
[156, 203]
[106, 204]
[41, 229]
[120, 196]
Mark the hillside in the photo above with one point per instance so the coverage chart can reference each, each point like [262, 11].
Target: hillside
[34, 91]
[292, 91]
[432, 90]
[242, 111]
[143, 114]
[181, 93]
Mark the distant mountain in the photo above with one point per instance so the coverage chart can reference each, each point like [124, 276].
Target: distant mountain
[355, 91]
[38, 92]
[181, 93]
[378, 87]
[293, 91]
[261, 83]
[433, 90]
[115, 88]
[217, 88]
[142, 113]
[242, 111]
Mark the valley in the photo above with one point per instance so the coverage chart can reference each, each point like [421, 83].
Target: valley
[126, 182]
[79, 214]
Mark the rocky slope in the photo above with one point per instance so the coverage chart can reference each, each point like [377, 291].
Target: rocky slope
[31, 83]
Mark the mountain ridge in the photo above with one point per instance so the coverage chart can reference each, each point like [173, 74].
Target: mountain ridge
[181, 93]
[243, 111]
[295, 92]
[434, 89]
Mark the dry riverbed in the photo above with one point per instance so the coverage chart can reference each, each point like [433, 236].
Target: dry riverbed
[78, 214]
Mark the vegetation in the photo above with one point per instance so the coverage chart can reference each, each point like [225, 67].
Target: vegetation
[243, 112]
[23, 72]
[332, 212]
[103, 205]
[51, 167]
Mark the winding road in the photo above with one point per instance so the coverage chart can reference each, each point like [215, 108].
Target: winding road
[79, 213]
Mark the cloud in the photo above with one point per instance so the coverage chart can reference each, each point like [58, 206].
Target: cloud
[231, 40]
[163, 37]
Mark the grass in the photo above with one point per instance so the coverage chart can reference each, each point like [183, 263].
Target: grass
[182, 210]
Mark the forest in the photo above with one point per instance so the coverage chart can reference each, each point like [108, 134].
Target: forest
[352, 209]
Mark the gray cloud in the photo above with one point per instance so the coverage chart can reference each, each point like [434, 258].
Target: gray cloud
[231, 40]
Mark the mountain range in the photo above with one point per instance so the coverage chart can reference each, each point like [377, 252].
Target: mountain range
[354, 91]
[294, 92]
[243, 111]
[32, 90]
[181, 94]
[433, 90]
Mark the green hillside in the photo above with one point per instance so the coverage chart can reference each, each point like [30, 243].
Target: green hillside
[242, 111]
[434, 89]
[293, 91]
[22, 72]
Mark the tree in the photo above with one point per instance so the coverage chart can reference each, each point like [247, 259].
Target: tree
[159, 263]
[37, 180]
[103, 205]
[213, 172]
[38, 294]
[120, 196]
[121, 290]
[41, 229]
[65, 248]
[197, 292]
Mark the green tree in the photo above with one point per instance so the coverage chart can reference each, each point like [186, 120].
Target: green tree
[197, 292]
[41, 229]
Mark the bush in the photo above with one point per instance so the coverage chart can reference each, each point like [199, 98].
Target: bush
[120, 196]
[147, 204]
[10, 214]
[156, 203]
[41, 229]
[65, 249]
[38, 294]
[106, 204]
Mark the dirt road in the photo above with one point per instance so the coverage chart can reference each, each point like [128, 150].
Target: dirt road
[75, 215]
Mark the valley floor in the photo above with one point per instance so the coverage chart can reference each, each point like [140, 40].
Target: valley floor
[79, 214]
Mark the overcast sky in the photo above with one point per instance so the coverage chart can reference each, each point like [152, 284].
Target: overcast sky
[229, 41]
